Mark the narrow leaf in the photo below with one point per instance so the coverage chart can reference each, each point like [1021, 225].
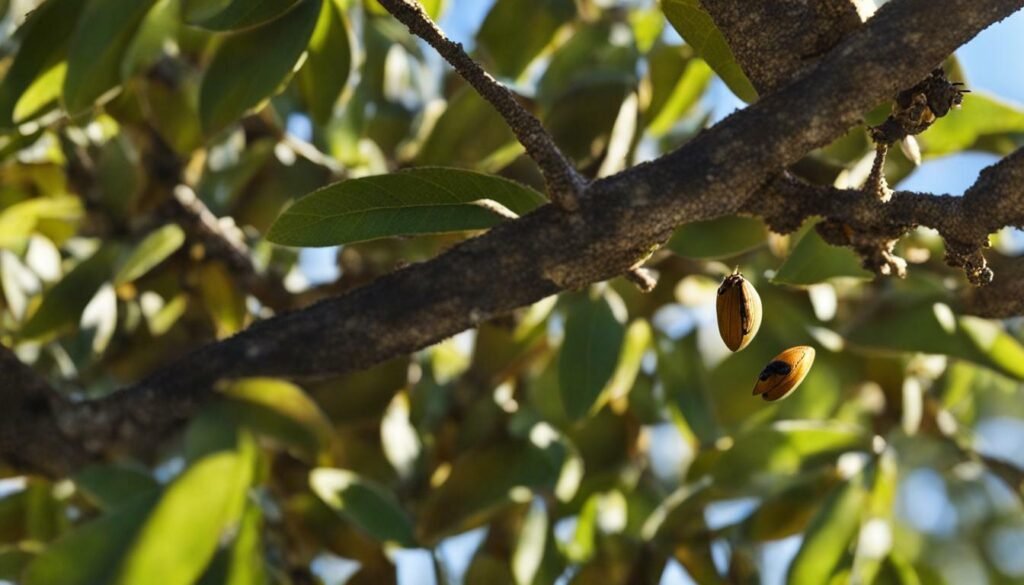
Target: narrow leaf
[328, 63]
[719, 238]
[241, 14]
[153, 250]
[366, 504]
[813, 260]
[63, 304]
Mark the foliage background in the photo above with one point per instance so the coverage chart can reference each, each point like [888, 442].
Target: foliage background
[519, 452]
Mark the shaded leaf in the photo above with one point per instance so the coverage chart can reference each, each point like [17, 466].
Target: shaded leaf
[153, 250]
[678, 82]
[463, 501]
[239, 14]
[110, 486]
[244, 56]
[933, 328]
[367, 505]
[328, 63]
[469, 131]
[94, 56]
[719, 238]
[63, 304]
[589, 354]
[829, 536]
[91, 553]
[417, 201]
[813, 260]
[695, 25]
[763, 456]
[280, 410]
[516, 31]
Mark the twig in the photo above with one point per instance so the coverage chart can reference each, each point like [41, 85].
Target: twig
[565, 184]
[225, 243]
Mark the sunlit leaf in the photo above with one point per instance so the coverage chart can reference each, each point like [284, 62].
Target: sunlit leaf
[417, 201]
[46, 32]
[695, 25]
[203, 502]
[153, 250]
[244, 55]
[982, 115]
[18, 221]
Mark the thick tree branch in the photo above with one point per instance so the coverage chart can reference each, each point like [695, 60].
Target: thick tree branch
[620, 220]
[775, 41]
[564, 184]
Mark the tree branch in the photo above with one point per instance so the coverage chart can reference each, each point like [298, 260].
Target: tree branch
[776, 41]
[565, 185]
[619, 222]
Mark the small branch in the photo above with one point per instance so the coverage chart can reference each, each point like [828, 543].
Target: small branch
[565, 185]
[225, 242]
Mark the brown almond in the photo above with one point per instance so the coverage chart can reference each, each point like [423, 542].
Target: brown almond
[739, 311]
[784, 373]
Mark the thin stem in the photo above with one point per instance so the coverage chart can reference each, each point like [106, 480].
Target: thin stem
[565, 184]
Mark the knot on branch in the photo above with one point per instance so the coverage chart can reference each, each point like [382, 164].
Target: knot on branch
[874, 246]
[969, 257]
[915, 109]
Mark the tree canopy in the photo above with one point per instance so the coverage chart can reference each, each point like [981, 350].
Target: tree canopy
[291, 290]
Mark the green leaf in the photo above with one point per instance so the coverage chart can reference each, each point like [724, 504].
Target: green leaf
[695, 25]
[13, 561]
[367, 505]
[719, 238]
[44, 43]
[153, 250]
[929, 327]
[97, 47]
[591, 57]
[590, 351]
[828, 538]
[43, 92]
[516, 31]
[243, 562]
[90, 554]
[202, 503]
[280, 410]
[328, 63]
[63, 304]
[466, 134]
[682, 371]
[239, 14]
[413, 202]
[813, 260]
[243, 72]
[766, 455]
[112, 485]
[481, 483]
[677, 84]
[18, 221]
[982, 115]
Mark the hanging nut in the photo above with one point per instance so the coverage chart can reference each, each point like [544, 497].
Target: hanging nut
[739, 311]
[784, 373]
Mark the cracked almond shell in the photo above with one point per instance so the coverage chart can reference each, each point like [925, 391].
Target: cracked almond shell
[739, 311]
[784, 373]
